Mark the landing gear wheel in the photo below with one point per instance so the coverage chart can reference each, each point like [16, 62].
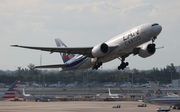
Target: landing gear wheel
[123, 65]
[97, 65]
[127, 63]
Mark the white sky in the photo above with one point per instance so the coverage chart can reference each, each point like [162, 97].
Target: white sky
[82, 23]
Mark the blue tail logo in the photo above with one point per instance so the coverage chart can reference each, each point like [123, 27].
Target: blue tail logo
[122, 91]
[148, 94]
[159, 92]
[65, 57]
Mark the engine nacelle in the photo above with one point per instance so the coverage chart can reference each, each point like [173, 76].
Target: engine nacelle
[147, 50]
[100, 50]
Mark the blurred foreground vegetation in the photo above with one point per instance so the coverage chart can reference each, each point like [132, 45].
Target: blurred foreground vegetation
[30, 74]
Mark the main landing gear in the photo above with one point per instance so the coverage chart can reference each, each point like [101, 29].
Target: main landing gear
[123, 64]
[97, 65]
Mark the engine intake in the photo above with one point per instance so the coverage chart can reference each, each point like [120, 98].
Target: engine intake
[147, 50]
[100, 50]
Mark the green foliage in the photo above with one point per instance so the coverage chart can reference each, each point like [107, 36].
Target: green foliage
[31, 74]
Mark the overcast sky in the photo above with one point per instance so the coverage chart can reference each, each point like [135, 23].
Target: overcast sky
[80, 23]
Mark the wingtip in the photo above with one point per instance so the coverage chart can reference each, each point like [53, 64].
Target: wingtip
[14, 45]
[36, 67]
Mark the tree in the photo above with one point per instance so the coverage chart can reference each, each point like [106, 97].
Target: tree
[32, 70]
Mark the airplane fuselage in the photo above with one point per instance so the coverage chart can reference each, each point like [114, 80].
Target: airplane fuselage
[114, 96]
[175, 101]
[126, 42]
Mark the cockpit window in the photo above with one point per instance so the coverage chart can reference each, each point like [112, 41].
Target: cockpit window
[154, 24]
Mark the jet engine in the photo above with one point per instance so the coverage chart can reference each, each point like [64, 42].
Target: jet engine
[147, 50]
[100, 50]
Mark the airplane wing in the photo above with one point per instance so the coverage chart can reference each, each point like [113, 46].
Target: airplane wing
[51, 66]
[83, 50]
[86, 51]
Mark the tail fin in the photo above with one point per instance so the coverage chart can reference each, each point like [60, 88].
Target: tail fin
[147, 95]
[122, 91]
[109, 91]
[65, 57]
[23, 92]
[12, 90]
[157, 90]
[14, 86]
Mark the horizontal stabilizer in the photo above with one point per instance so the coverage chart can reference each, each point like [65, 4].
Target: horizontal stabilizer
[51, 66]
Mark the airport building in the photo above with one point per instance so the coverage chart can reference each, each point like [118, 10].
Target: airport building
[176, 83]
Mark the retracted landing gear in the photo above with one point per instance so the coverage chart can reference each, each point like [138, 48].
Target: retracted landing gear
[123, 64]
[97, 65]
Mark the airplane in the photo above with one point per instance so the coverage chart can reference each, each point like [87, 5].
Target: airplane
[122, 92]
[110, 85]
[31, 97]
[45, 98]
[147, 95]
[12, 92]
[34, 84]
[121, 95]
[26, 96]
[172, 101]
[159, 93]
[112, 95]
[148, 85]
[72, 85]
[121, 46]
[56, 85]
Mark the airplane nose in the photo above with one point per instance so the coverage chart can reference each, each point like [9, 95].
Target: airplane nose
[157, 29]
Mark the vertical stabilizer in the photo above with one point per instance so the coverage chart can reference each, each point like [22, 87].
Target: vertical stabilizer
[147, 95]
[65, 56]
[23, 92]
[157, 90]
[14, 86]
[122, 92]
[12, 90]
[109, 91]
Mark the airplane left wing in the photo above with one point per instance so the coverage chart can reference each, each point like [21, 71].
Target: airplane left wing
[69, 50]
[86, 51]
[51, 66]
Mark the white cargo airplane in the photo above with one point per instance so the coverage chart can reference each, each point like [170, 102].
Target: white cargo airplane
[121, 46]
